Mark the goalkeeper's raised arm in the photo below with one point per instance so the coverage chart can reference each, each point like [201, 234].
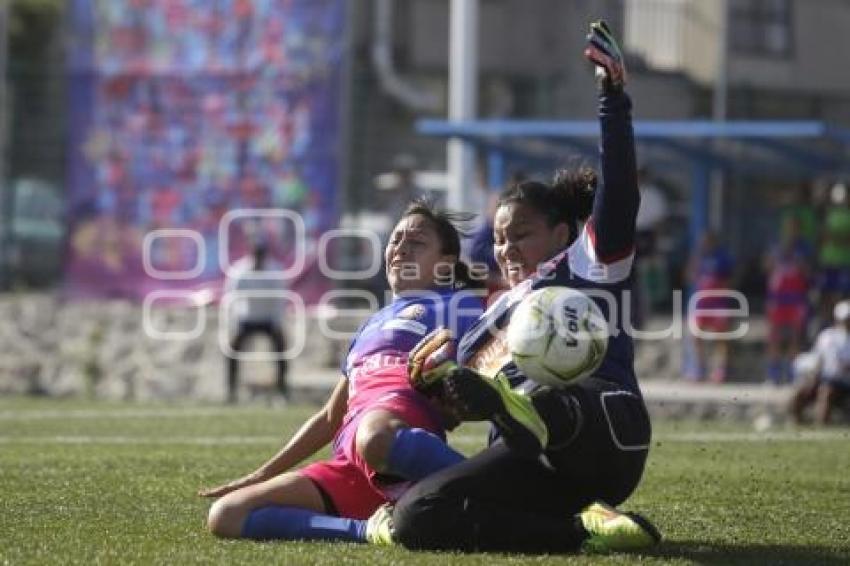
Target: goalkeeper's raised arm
[612, 223]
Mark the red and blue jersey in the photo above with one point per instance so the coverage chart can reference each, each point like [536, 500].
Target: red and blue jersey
[714, 269]
[376, 364]
[788, 280]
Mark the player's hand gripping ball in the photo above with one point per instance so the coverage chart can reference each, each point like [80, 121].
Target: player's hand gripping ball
[557, 336]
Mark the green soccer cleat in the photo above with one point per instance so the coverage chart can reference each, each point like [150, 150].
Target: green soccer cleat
[480, 398]
[379, 527]
[611, 531]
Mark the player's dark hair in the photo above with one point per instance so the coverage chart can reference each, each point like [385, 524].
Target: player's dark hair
[568, 199]
[449, 227]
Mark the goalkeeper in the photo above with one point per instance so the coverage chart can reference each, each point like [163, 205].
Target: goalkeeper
[558, 459]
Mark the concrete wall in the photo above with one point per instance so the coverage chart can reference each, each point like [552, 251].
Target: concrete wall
[521, 37]
[820, 45]
[101, 349]
[675, 35]
[659, 28]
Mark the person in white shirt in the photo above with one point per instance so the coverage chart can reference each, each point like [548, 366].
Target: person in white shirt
[831, 379]
[251, 315]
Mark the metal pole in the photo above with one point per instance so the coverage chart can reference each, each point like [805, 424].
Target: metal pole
[721, 87]
[719, 112]
[5, 212]
[463, 94]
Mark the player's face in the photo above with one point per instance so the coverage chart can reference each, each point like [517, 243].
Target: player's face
[413, 256]
[523, 239]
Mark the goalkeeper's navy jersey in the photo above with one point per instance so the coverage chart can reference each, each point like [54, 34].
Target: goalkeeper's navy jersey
[600, 260]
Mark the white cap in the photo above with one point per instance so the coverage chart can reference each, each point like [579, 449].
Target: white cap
[842, 311]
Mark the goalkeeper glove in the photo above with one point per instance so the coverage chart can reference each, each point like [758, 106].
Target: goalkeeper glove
[465, 395]
[431, 360]
[602, 50]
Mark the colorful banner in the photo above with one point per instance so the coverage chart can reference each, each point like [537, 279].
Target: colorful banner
[190, 121]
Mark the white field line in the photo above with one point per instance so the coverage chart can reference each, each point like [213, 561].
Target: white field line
[142, 440]
[129, 413]
[461, 439]
[194, 412]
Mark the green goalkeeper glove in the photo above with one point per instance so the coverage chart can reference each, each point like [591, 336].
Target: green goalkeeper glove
[602, 50]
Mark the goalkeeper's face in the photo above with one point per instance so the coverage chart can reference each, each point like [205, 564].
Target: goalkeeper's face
[523, 239]
[414, 257]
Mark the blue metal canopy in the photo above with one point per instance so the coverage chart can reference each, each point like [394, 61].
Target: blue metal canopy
[741, 129]
[775, 149]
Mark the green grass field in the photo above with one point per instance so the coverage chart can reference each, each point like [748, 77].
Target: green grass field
[85, 483]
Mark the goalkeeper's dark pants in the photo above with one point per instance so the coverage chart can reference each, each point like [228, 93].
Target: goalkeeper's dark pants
[501, 501]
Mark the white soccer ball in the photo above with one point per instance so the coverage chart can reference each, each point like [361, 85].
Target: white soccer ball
[557, 336]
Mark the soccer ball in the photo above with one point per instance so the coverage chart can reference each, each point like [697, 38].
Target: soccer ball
[557, 336]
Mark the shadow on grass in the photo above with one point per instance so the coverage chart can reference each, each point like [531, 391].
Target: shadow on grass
[749, 554]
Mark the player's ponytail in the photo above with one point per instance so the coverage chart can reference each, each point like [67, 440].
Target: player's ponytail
[575, 189]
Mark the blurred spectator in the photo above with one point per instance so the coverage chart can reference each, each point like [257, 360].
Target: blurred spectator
[803, 209]
[255, 314]
[835, 250]
[829, 382]
[649, 265]
[788, 268]
[710, 269]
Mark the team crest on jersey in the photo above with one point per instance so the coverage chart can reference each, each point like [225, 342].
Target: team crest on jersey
[406, 319]
[412, 312]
